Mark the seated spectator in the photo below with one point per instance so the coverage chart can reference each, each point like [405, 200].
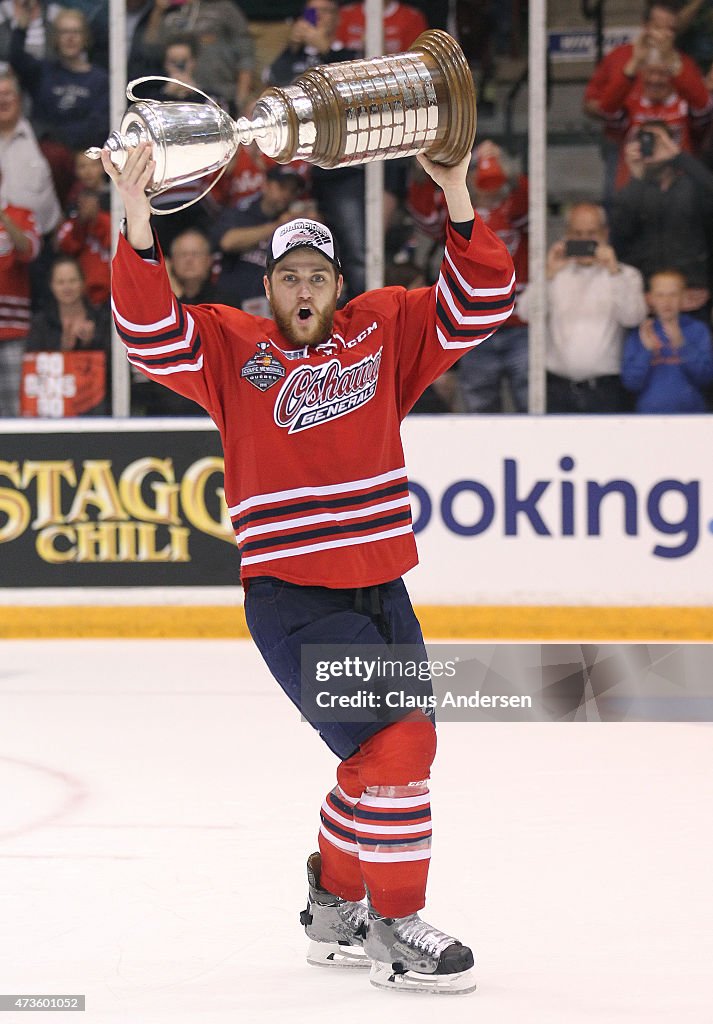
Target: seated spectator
[592, 298]
[19, 244]
[226, 54]
[500, 196]
[191, 263]
[660, 218]
[88, 174]
[86, 235]
[26, 177]
[180, 61]
[338, 193]
[242, 236]
[668, 360]
[68, 322]
[40, 18]
[614, 93]
[402, 25]
[70, 96]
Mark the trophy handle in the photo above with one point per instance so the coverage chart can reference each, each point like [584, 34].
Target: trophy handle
[131, 95]
[191, 202]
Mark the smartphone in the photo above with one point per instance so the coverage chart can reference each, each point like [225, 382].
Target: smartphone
[310, 14]
[647, 142]
[580, 247]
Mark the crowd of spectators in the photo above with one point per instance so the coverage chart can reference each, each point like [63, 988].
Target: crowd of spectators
[614, 343]
[653, 101]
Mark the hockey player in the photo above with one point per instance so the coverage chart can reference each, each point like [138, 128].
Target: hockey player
[309, 406]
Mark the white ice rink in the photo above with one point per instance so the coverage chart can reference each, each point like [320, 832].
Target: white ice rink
[158, 799]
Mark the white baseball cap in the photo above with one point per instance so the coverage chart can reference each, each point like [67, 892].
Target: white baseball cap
[303, 234]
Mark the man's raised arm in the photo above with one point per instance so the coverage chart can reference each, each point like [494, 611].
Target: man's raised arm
[164, 340]
[473, 297]
[131, 184]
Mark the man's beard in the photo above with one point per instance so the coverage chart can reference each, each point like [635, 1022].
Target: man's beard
[321, 325]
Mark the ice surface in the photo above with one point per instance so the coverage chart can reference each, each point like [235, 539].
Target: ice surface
[158, 799]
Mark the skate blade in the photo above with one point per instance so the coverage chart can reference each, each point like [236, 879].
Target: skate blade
[383, 976]
[332, 954]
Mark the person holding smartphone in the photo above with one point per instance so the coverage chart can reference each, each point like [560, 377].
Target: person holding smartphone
[312, 41]
[592, 299]
[660, 219]
[646, 78]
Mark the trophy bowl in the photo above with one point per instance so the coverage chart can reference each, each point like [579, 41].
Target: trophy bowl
[333, 115]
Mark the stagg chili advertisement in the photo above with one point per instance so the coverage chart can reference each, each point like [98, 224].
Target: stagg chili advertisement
[114, 507]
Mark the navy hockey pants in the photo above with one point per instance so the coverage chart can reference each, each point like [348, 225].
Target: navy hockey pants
[283, 616]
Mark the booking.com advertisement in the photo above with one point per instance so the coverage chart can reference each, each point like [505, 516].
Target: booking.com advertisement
[506, 509]
[561, 509]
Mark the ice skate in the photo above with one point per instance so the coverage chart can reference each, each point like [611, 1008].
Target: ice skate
[409, 955]
[336, 927]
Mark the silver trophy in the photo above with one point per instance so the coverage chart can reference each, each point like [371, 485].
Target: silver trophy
[334, 115]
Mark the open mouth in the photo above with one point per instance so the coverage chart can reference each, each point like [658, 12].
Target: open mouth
[304, 313]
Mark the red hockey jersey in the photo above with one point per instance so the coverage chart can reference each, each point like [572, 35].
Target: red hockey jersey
[244, 177]
[15, 276]
[90, 243]
[314, 467]
[403, 24]
[620, 101]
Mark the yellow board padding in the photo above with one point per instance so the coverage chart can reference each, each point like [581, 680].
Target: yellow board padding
[538, 623]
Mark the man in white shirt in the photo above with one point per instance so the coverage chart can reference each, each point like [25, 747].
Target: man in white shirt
[592, 300]
[26, 175]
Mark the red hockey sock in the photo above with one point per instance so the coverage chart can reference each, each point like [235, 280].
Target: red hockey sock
[341, 873]
[376, 824]
[393, 831]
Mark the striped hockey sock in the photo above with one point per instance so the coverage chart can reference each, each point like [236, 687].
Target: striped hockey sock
[392, 825]
[341, 871]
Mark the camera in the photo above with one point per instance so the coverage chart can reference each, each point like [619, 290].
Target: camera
[580, 247]
[647, 142]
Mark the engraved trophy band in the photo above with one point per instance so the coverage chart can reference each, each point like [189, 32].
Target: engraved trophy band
[333, 115]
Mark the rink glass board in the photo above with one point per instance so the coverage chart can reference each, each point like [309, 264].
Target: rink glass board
[114, 508]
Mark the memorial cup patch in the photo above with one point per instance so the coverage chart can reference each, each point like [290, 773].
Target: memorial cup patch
[263, 369]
